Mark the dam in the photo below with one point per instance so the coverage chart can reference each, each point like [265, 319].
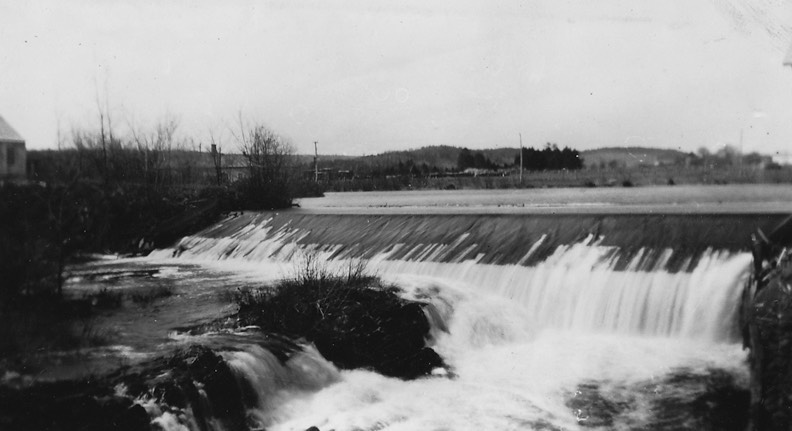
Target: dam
[531, 310]
[550, 318]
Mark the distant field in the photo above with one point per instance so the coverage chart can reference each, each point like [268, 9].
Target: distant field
[739, 199]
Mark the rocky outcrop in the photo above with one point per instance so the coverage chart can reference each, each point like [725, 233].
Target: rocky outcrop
[194, 386]
[195, 378]
[82, 405]
[357, 324]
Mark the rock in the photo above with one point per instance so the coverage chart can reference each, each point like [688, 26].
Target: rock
[83, 405]
[351, 326]
[382, 333]
[199, 365]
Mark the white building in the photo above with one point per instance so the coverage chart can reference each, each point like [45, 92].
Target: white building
[12, 153]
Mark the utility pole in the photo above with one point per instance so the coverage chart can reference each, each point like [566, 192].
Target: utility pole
[316, 162]
[521, 158]
[740, 153]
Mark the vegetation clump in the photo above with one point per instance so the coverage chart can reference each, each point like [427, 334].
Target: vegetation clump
[354, 320]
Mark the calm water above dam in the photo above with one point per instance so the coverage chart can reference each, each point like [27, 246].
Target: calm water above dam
[738, 198]
[590, 319]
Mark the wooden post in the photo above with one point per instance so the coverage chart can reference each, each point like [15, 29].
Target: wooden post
[316, 162]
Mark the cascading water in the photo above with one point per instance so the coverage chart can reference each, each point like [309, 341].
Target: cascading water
[529, 331]
[578, 286]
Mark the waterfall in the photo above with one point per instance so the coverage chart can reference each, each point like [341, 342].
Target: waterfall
[545, 323]
[578, 289]
[262, 383]
[577, 283]
[534, 322]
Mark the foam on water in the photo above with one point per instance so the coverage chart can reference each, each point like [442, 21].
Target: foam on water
[519, 337]
[508, 374]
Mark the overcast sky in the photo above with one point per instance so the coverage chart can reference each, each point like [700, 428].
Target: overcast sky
[368, 76]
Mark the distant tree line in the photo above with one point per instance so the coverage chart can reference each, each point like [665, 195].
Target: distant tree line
[549, 158]
[474, 159]
[379, 172]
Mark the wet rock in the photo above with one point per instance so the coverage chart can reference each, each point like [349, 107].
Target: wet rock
[592, 409]
[702, 401]
[196, 378]
[351, 326]
[194, 384]
[84, 405]
[219, 382]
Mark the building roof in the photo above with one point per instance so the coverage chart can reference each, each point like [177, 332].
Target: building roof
[7, 133]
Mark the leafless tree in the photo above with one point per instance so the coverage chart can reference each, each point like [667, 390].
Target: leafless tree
[156, 148]
[270, 164]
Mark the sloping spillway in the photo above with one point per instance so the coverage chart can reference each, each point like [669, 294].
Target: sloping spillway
[673, 241]
[650, 274]
[546, 320]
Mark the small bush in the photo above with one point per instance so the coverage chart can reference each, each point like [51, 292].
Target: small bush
[353, 319]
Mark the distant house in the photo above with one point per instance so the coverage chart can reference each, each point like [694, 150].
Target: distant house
[12, 153]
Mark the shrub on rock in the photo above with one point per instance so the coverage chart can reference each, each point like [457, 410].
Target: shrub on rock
[353, 319]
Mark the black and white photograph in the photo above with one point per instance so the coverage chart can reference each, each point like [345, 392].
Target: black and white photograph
[370, 215]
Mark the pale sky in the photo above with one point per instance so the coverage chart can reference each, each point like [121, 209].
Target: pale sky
[363, 76]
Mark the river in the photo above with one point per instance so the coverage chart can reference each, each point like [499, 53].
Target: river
[547, 321]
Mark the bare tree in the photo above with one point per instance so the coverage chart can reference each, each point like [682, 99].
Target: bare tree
[156, 148]
[270, 165]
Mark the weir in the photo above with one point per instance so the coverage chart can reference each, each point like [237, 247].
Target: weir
[670, 241]
[526, 321]
[652, 274]
[610, 304]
